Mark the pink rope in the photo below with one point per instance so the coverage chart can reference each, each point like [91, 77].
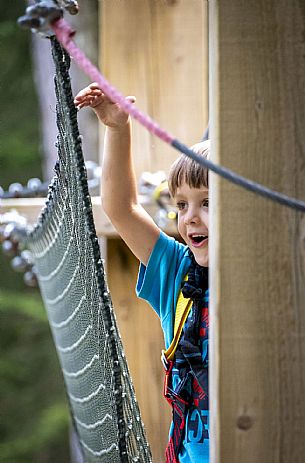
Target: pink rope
[65, 34]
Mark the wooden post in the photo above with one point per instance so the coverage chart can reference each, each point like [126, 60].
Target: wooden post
[257, 265]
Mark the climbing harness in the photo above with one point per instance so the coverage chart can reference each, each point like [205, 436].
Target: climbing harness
[185, 351]
[183, 308]
[179, 405]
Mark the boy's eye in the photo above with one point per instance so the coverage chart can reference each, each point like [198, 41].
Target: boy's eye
[205, 203]
[181, 205]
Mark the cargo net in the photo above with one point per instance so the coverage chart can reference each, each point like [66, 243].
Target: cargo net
[72, 282]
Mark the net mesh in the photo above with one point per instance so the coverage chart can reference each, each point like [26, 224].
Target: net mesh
[72, 282]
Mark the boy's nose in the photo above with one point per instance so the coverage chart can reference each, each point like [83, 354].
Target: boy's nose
[194, 217]
[191, 217]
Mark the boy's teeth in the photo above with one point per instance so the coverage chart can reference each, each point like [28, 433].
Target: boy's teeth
[198, 238]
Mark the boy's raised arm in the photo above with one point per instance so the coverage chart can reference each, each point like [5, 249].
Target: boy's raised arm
[118, 183]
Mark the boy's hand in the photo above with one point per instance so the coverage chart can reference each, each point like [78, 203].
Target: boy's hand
[108, 112]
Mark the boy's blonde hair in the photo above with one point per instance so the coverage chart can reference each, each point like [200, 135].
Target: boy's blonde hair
[186, 170]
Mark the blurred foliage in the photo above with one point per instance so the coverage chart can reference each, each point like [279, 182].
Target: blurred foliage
[34, 419]
[19, 128]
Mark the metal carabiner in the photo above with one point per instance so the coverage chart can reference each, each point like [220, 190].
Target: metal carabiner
[40, 16]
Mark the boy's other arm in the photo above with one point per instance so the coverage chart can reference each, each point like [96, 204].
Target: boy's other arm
[118, 183]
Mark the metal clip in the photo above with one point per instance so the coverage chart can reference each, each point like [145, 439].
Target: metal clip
[70, 5]
[164, 360]
[40, 16]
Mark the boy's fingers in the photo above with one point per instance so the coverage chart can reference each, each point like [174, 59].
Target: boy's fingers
[93, 95]
[82, 96]
[88, 91]
[95, 86]
[83, 104]
[80, 100]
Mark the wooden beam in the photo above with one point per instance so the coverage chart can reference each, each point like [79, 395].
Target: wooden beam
[31, 208]
[257, 374]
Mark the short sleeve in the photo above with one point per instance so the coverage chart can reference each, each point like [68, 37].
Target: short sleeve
[159, 282]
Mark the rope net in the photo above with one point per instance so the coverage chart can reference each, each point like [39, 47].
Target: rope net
[72, 282]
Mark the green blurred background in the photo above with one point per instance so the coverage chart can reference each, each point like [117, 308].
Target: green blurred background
[34, 420]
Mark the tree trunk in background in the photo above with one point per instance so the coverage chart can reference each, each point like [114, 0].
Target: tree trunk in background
[85, 23]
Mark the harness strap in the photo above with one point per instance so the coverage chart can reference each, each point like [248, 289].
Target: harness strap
[183, 308]
[179, 406]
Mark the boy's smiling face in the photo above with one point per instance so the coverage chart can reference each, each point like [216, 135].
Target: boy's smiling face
[193, 220]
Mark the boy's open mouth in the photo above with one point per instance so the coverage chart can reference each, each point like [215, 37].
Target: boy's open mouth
[197, 239]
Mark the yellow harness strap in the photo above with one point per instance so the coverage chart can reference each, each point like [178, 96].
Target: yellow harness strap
[183, 308]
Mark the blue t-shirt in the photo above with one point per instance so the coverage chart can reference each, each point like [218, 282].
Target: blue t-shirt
[159, 283]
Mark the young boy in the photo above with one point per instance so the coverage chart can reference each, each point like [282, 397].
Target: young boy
[164, 266]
